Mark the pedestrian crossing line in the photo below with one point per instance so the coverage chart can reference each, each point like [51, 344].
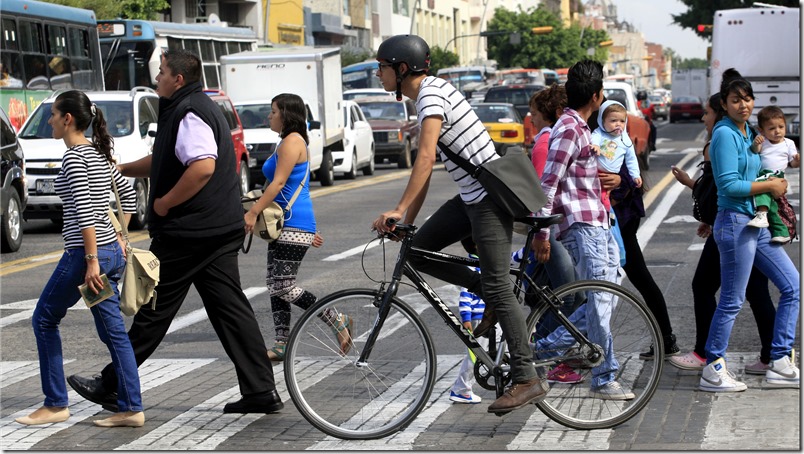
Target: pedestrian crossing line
[153, 373]
[663, 150]
[404, 440]
[12, 372]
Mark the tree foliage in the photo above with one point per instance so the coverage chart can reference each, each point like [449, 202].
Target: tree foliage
[558, 49]
[703, 11]
[351, 55]
[441, 58]
[126, 9]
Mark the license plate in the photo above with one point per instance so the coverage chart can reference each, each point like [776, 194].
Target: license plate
[45, 186]
[685, 114]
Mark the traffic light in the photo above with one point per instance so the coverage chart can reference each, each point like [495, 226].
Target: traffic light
[541, 30]
[704, 28]
[608, 43]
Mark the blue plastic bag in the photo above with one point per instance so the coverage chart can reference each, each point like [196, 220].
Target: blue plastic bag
[615, 231]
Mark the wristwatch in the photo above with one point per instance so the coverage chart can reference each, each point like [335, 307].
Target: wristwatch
[89, 257]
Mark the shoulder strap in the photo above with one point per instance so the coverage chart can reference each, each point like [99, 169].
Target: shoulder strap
[120, 216]
[301, 185]
[467, 166]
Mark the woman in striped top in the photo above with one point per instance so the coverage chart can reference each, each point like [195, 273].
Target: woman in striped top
[91, 248]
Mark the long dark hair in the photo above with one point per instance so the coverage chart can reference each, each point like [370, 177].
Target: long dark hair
[86, 114]
[294, 115]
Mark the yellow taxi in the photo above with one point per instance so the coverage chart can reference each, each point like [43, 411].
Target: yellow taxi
[504, 124]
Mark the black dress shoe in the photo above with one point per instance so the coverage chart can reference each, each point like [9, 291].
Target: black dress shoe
[92, 390]
[267, 402]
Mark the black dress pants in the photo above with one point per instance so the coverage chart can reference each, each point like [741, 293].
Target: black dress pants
[211, 265]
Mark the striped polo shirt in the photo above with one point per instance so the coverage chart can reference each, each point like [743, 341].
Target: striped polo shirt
[461, 131]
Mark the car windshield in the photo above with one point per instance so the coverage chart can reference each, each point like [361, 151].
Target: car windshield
[118, 116]
[254, 116]
[509, 95]
[616, 94]
[383, 110]
[356, 95]
[656, 99]
[497, 114]
[687, 100]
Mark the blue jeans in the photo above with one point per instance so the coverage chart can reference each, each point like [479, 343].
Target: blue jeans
[741, 248]
[61, 293]
[596, 256]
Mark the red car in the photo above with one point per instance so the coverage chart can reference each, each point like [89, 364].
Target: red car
[686, 108]
[241, 153]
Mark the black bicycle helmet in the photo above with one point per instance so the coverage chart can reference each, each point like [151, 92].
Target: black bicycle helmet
[410, 49]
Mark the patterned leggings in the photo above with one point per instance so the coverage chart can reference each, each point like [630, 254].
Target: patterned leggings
[284, 258]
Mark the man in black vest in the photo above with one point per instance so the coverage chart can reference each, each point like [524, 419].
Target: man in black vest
[196, 224]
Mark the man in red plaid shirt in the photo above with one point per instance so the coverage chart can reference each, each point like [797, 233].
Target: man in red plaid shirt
[573, 188]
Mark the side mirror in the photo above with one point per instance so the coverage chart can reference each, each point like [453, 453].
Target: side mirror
[151, 129]
[314, 125]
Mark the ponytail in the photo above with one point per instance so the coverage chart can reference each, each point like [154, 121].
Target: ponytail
[101, 138]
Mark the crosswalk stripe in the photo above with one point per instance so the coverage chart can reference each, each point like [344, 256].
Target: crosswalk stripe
[405, 439]
[12, 372]
[152, 374]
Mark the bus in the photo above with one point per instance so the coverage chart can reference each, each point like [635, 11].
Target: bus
[360, 75]
[131, 49]
[45, 47]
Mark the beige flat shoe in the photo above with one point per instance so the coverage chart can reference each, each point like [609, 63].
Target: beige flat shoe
[123, 419]
[45, 415]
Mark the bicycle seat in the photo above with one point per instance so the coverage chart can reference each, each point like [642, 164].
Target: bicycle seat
[540, 222]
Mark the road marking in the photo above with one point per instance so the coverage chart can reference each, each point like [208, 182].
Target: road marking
[663, 150]
[680, 218]
[200, 315]
[646, 230]
[696, 247]
[355, 250]
[152, 374]
[12, 372]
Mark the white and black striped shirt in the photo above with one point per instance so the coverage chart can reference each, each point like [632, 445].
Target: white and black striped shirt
[461, 131]
[84, 185]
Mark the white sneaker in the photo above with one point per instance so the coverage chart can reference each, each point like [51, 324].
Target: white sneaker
[760, 220]
[782, 373]
[612, 390]
[780, 239]
[717, 379]
[470, 398]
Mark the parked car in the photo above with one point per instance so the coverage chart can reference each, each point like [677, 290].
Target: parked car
[638, 128]
[659, 107]
[504, 124]
[358, 144]
[395, 128]
[13, 193]
[236, 127]
[355, 93]
[261, 141]
[130, 116]
[518, 95]
[686, 108]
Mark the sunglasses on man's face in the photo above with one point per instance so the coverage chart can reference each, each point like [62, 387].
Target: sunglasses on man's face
[384, 65]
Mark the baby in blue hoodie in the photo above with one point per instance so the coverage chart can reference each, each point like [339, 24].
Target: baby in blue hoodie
[612, 144]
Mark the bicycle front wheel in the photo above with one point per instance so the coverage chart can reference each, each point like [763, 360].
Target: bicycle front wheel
[582, 405]
[349, 400]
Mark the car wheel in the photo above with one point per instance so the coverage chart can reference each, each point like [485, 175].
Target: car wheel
[672, 120]
[405, 159]
[325, 174]
[12, 224]
[245, 178]
[138, 219]
[352, 173]
[369, 169]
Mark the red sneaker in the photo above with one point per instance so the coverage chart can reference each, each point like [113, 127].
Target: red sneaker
[563, 374]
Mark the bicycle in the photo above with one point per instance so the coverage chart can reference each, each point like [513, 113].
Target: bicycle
[386, 377]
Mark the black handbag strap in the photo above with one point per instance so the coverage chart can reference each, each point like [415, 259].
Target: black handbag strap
[460, 161]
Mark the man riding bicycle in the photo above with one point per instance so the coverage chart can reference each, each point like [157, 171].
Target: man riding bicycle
[446, 117]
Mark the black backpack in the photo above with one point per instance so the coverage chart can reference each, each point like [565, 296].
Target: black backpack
[704, 195]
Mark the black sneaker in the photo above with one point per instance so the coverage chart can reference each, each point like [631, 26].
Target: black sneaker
[267, 402]
[670, 349]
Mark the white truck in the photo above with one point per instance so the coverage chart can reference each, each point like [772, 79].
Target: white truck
[312, 73]
[763, 45]
[690, 82]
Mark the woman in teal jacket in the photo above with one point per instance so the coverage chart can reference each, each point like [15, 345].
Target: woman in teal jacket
[735, 168]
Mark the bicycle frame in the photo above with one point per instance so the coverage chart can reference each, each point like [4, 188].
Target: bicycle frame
[403, 268]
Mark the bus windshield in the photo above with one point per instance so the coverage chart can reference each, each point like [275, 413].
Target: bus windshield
[360, 75]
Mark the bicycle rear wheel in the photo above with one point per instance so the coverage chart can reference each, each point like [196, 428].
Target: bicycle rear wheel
[632, 326]
[354, 401]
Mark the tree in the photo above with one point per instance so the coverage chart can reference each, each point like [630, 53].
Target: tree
[126, 9]
[558, 49]
[441, 58]
[691, 63]
[703, 11]
[351, 55]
